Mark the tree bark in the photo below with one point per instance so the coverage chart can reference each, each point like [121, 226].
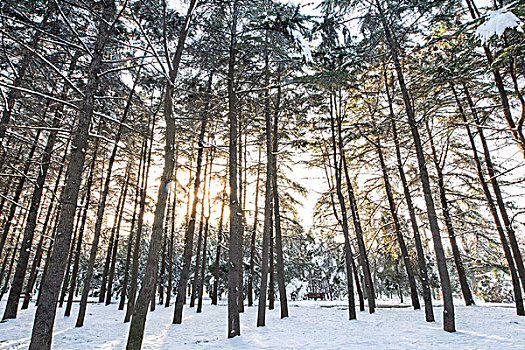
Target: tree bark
[514, 246]
[190, 233]
[448, 309]
[114, 253]
[172, 231]
[124, 289]
[516, 131]
[82, 227]
[218, 253]
[136, 331]
[397, 228]
[204, 264]
[283, 300]
[254, 233]
[140, 224]
[369, 286]
[51, 209]
[236, 225]
[422, 265]
[268, 199]
[18, 192]
[45, 313]
[518, 298]
[465, 289]
[344, 218]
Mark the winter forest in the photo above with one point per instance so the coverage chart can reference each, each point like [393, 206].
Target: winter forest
[262, 174]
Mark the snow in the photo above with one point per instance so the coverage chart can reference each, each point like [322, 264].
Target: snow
[496, 23]
[304, 47]
[312, 325]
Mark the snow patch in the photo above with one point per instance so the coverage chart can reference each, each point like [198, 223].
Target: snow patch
[496, 24]
[303, 45]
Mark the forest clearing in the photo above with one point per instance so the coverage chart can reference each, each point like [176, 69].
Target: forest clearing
[262, 174]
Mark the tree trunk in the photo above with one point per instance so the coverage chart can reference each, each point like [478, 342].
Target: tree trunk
[18, 192]
[39, 250]
[236, 225]
[172, 231]
[271, 291]
[29, 231]
[199, 246]
[254, 233]
[518, 298]
[203, 267]
[27, 240]
[206, 230]
[516, 131]
[422, 265]
[100, 216]
[190, 233]
[82, 227]
[268, 199]
[162, 267]
[136, 331]
[124, 289]
[368, 283]
[283, 300]
[397, 228]
[114, 253]
[448, 309]
[344, 218]
[140, 223]
[45, 313]
[514, 246]
[465, 289]
[218, 253]
[14, 250]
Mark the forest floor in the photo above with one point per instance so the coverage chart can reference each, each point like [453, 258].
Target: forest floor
[311, 325]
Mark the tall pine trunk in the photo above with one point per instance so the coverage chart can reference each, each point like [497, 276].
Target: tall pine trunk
[236, 225]
[514, 246]
[45, 314]
[397, 228]
[518, 298]
[283, 301]
[422, 265]
[254, 232]
[136, 330]
[124, 287]
[465, 289]
[448, 304]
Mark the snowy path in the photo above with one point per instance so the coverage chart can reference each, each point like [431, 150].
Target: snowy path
[309, 327]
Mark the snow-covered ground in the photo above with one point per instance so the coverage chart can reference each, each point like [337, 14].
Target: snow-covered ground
[312, 325]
